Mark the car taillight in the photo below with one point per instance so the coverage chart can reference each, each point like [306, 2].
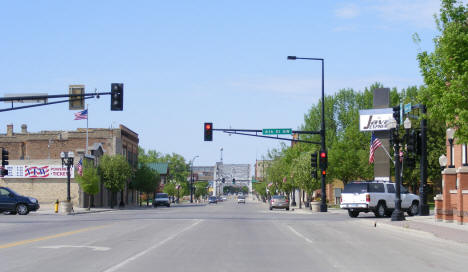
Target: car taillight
[287, 201]
[367, 197]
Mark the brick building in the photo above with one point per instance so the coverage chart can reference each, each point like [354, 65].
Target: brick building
[43, 148]
[452, 205]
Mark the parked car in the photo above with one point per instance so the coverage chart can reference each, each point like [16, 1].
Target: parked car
[377, 197]
[219, 198]
[224, 198]
[161, 199]
[14, 203]
[279, 202]
[212, 200]
[241, 199]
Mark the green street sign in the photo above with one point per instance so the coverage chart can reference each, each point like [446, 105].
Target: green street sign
[274, 131]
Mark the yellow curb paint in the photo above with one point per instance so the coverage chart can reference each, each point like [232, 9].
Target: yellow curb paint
[68, 233]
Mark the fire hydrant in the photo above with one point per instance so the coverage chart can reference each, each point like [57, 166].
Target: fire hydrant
[56, 206]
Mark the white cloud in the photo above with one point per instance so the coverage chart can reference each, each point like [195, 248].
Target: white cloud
[347, 11]
[416, 12]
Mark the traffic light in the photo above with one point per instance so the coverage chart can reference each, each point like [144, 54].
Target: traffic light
[411, 144]
[208, 131]
[410, 162]
[4, 172]
[396, 114]
[4, 157]
[323, 160]
[76, 102]
[313, 164]
[233, 181]
[223, 180]
[116, 96]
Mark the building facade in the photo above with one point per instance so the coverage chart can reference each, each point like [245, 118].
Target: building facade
[42, 149]
[452, 204]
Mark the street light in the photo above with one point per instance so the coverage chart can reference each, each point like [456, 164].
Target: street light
[450, 134]
[323, 204]
[67, 159]
[191, 178]
[397, 214]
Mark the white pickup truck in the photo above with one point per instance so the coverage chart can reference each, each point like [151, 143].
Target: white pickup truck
[377, 197]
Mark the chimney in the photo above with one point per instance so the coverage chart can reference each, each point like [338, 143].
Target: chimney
[10, 130]
[24, 128]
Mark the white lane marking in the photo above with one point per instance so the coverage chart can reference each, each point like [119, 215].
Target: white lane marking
[94, 248]
[300, 235]
[138, 255]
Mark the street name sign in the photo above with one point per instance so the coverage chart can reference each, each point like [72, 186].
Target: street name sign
[273, 131]
[407, 108]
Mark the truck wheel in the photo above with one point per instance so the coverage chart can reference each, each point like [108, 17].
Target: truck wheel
[413, 209]
[380, 210]
[353, 214]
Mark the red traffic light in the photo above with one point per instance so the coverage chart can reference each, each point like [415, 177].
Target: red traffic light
[323, 155]
[324, 172]
[208, 131]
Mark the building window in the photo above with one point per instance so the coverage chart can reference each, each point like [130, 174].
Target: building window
[464, 154]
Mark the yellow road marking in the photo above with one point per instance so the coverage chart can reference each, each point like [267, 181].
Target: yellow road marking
[68, 233]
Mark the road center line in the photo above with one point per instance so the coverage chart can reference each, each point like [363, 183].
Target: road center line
[138, 255]
[300, 235]
[68, 233]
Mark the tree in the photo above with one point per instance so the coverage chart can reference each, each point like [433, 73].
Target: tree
[170, 189]
[89, 181]
[301, 170]
[146, 180]
[445, 70]
[114, 171]
[201, 189]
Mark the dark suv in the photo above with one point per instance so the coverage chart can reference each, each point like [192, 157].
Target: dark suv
[14, 203]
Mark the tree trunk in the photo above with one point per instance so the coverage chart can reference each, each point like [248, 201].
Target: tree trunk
[112, 200]
[121, 204]
[89, 202]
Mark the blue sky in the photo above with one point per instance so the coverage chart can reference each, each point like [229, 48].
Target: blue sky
[184, 63]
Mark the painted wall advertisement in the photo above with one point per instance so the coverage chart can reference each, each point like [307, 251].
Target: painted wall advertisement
[375, 119]
[38, 171]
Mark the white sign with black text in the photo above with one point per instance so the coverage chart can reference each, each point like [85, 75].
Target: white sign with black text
[375, 119]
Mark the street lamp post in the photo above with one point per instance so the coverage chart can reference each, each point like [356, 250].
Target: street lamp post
[191, 178]
[450, 134]
[397, 214]
[67, 159]
[323, 204]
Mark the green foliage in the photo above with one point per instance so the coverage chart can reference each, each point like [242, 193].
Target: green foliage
[201, 188]
[178, 168]
[445, 70]
[115, 172]
[89, 181]
[301, 170]
[146, 179]
[170, 189]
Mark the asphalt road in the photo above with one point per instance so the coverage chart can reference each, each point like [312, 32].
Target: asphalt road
[223, 237]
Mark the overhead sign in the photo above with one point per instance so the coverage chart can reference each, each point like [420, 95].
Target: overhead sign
[375, 119]
[25, 99]
[38, 171]
[272, 131]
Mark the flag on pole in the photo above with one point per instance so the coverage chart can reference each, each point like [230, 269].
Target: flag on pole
[81, 115]
[374, 144]
[80, 167]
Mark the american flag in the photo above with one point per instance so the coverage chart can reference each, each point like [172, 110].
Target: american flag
[80, 167]
[81, 115]
[374, 144]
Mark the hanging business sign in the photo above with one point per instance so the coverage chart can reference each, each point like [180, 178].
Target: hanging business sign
[375, 119]
[38, 171]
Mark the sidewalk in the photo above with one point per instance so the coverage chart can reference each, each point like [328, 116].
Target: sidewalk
[428, 224]
[49, 208]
